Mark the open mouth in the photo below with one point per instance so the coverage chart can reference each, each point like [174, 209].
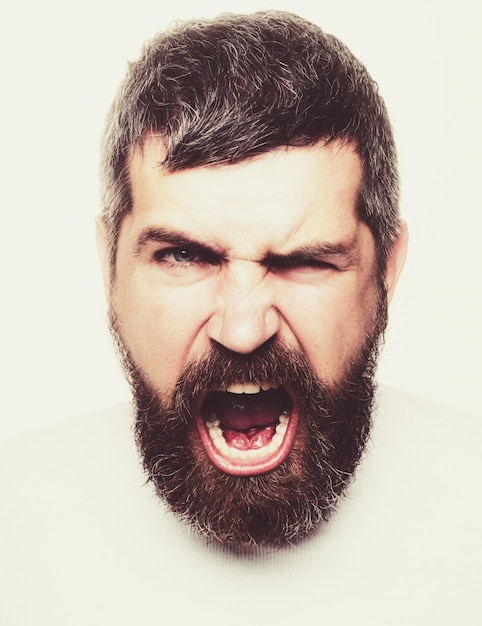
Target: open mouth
[247, 429]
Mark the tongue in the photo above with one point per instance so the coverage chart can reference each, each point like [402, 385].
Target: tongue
[253, 439]
[246, 411]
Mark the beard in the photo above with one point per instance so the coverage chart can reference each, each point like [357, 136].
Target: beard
[270, 509]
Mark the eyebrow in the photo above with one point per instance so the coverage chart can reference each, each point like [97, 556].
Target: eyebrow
[174, 238]
[327, 252]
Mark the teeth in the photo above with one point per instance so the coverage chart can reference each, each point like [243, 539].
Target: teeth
[212, 420]
[216, 433]
[256, 454]
[250, 388]
[237, 388]
[221, 445]
[281, 428]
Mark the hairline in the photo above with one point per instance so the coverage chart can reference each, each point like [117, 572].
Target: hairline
[139, 144]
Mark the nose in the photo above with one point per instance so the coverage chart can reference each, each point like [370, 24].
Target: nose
[245, 316]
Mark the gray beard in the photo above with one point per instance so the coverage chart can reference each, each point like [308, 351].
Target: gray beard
[282, 506]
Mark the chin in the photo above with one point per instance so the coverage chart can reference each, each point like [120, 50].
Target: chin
[255, 450]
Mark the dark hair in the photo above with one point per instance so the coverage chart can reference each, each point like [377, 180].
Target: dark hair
[222, 91]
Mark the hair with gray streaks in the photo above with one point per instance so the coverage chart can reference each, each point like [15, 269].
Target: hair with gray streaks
[225, 90]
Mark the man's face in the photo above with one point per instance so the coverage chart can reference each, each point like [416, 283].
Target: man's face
[259, 263]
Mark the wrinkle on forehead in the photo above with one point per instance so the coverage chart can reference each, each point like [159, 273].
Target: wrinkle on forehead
[274, 202]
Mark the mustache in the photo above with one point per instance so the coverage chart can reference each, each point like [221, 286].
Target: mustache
[271, 363]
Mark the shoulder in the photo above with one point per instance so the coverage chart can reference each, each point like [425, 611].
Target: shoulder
[69, 437]
[402, 402]
[425, 422]
[423, 446]
[44, 470]
[78, 522]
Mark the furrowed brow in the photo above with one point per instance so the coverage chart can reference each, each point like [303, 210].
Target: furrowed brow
[173, 238]
[337, 253]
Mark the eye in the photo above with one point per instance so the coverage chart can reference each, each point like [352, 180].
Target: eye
[186, 262]
[177, 256]
[301, 265]
[304, 269]
[314, 264]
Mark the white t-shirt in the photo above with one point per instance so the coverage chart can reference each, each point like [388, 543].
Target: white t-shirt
[84, 541]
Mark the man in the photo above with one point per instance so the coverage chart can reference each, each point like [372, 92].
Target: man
[249, 168]
[250, 242]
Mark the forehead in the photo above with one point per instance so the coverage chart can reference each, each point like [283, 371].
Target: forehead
[281, 199]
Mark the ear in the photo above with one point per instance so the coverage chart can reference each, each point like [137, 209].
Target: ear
[396, 261]
[104, 255]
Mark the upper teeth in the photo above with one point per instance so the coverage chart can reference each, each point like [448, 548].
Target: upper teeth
[250, 387]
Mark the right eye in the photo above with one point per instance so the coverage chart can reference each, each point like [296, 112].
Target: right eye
[186, 263]
[177, 256]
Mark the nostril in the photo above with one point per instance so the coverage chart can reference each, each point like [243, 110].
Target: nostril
[243, 333]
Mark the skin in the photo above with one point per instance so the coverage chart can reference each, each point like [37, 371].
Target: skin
[278, 251]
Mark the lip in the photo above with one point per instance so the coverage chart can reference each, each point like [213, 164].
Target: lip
[246, 467]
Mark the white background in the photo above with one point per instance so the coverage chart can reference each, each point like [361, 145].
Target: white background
[61, 63]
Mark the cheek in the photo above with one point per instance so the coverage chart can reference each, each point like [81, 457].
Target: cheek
[159, 326]
[330, 325]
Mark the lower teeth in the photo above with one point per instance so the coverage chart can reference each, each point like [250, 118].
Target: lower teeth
[216, 434]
